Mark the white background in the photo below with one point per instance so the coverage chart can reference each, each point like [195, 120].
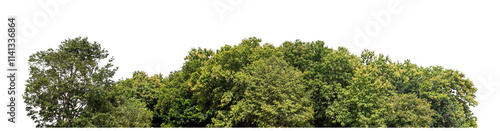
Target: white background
[155, 36]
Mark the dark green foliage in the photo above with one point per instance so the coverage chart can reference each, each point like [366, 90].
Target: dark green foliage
[144, 89]
[69, 88]
[67, 83]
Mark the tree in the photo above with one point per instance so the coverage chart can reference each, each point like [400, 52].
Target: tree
[362, 103]
[274, 96]
[225, 89]
[178, 102]
[68, 82]
[451, 95]
[143, 88]
[132, 113]
[335, 70]
[128, 112]
[407, 110]
[194, 94]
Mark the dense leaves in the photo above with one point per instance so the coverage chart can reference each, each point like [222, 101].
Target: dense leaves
[273, 96]
[68, 82]
[362, 103]
[297, 84]
[144, 89]
[407, 110]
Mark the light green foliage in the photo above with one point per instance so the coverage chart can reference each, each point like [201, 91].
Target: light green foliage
[142, 87]
[129, 112]
[68, 82]
[362, 103]
[274, 96]
[217, 76]
[216, 88]
[407, 110]
[132, 113]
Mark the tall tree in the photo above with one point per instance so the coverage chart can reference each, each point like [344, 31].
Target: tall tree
[67, 82]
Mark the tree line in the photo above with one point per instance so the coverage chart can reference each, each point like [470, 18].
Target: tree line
[297, 84]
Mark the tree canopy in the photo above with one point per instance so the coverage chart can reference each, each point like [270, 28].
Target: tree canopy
[272, 95]
[296, 84]
[67, 83]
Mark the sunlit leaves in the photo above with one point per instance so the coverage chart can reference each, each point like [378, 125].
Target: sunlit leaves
[273, 97]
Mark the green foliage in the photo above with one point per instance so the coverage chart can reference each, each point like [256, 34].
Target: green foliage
[68, 82]
[362, 103]
[297, 84]
[407, 110]
[132, 113]
[304, 55]
[143, 88]
[128, 113]
[451, 95]
[274, 96]
[177, 104]
[335, 70]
